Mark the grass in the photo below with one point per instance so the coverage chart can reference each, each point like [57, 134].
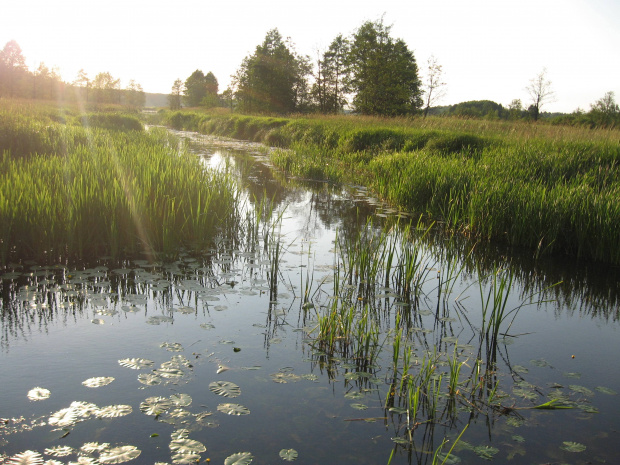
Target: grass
[552, 189]
[82, 192]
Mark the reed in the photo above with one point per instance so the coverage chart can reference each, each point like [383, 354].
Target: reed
[553, 189]
[83, 192]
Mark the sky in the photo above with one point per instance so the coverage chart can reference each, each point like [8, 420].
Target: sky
[488, 49]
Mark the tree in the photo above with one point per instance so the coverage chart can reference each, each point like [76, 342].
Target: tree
[540, 93]
[605, 111]
[384, 73]
[106, 88]
[195, 88]
[433, 84]
[82, 81]
[174, 99]
[12, 68]
[329, 88]
[134, 95]
[211, 99]
[515, 109]
[273, 79]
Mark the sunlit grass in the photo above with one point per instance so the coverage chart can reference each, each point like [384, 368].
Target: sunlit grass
[83, 192]
[552, 189]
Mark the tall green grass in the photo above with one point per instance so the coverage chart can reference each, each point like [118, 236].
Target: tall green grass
[85, 192]
[552, 189]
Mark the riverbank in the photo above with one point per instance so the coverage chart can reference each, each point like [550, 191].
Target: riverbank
[555, 190]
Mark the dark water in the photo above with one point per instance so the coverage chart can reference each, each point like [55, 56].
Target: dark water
[256, 334]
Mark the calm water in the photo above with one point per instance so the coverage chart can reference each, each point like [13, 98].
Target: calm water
[222, 317]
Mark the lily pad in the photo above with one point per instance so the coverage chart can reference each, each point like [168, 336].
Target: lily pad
[59, 451]
[605, 390]
[288, 454]
[149, 379]
[155, 405]
[98, 382]
[97, 321]
[114, 411]
[240, 458]
[581, 389]
[485, 452]
[181, 400]
[187, 446]
[135, 363]
[233, 409]
[448, 459]
[359, 406]
[572, 446]
[64, 417]
[38, 393]
[225, 389]
[119, 454]
[27, 457]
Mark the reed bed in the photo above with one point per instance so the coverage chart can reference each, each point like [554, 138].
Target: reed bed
[82, 192]
[552, 189]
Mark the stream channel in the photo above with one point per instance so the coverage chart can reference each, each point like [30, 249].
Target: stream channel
[218, 358]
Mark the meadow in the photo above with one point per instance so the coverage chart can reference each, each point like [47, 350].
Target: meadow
[82, 185]
[547, 188]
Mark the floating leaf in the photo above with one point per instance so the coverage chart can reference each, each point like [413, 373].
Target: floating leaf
[98, 382]
[485, 452]
[187, 446]
[572, 446]
[207, 326]
[59, 451]
[240, 458]
[402, 441]
[448, 459]
[27, 457]
[38, 393]
[605, 390]
[119, 454]
[149, 379]
[114, 411]
[233, 409]
[172, 346]
[399, 410]
[540, 363]
[581, 389]
[135, 363]
[179, 434]
[518, 438]
[359, 406]
[288, 454]
[168, 372]
[155, 405]
[63, 417]
[181, 400]
[185, 458]
[97, 321]
[186, 310]
[225, 389]
[572, 375]
[91, 447]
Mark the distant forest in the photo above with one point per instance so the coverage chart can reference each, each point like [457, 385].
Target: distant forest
[368, 73]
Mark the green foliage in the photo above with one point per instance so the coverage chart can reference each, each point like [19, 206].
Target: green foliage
[554, 190]
[273, 79]
[70, 192]
[111, 121]
[384, 73]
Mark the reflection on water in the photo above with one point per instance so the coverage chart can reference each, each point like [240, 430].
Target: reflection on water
[248, 311]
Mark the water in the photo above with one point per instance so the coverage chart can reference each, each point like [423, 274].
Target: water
[221, 317]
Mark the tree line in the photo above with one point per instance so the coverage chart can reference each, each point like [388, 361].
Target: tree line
[17, 81]
[369, 73]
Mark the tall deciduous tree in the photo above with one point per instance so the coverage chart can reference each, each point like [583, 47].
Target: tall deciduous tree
[384, 73]
[273, 79]
[211, 99]
[174, 99]
[106, 88]
[329, 89]
[134, 95]
[434, 87]
[12, 68]
[83, 82]
[195, 88]
[540, 93]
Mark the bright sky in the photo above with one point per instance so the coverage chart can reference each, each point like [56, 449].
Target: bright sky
[489, 49]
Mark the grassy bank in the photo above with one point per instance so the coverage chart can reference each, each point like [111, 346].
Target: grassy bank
[552, 189]
[83, 186]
